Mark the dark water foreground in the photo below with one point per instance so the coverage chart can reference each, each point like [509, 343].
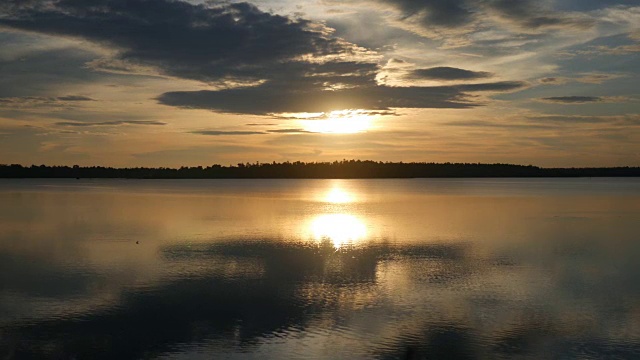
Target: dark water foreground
[320, 269]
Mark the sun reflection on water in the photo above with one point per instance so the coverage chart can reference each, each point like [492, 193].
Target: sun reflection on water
[339, 192]
[340, 229]
[339, 196]
[336, 221]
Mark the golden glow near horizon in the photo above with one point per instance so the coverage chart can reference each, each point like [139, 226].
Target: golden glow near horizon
[339, 122]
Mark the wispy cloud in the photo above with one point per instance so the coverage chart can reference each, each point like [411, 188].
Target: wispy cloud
[448, 73]
[225, 133]
[74, 98]
[583, 99]
[595, 78]
[289, 131]
[110, 123]
[31, 101]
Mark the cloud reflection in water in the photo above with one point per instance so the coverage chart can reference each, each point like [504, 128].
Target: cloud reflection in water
[561, 282]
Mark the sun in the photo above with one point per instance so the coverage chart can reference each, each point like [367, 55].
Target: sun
[339, 122]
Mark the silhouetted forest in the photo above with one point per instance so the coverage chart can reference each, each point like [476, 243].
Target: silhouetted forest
[345, 169]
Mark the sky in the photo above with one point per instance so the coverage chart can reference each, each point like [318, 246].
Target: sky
[188, 83]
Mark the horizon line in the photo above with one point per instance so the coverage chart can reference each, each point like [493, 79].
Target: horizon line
[299, 162]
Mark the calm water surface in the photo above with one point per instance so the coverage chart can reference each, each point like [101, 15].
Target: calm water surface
[320, 269]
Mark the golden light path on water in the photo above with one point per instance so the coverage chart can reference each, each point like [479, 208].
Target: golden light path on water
[340, 229]
[339, 196]
[339, 226]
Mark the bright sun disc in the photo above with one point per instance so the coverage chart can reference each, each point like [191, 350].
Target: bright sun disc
[340, 122]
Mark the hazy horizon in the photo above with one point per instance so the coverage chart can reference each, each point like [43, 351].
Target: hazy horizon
[304, 162]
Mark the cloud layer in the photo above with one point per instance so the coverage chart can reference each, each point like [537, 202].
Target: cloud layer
[262, 63]
[582, 99]
[110, 123]
[448, 73]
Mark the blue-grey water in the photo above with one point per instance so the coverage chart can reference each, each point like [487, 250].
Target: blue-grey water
[320, 269]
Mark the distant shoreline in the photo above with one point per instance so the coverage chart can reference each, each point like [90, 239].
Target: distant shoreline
[346, 169]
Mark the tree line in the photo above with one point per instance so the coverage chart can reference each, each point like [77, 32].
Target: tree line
[345, 169]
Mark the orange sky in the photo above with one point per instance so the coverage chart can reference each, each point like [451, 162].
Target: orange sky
[184, 83]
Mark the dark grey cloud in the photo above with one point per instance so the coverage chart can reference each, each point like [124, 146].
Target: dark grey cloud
[444, 13]
[587, 5]
[573, 99]
[46, 72]
[223, 133]
[493, 86]
[553, 80]
[75, 98]
[276, 98]
[529, 14]
[202, 42]
[448, 73]
[238, 43]
[111, 123]
[446, 18]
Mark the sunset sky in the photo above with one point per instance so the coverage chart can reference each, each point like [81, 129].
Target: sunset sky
[172, 83]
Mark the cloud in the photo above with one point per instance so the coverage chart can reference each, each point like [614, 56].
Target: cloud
[74, 98]
[202, 42]
[224, 133]
[582, 99]
[500, 125]
[612, 50]
[46, 72]
[289, 131]
[537, 121]
[593, 78]
[623, 120]
[492, 86]
[440, 13]
[530, 15]
[597, 78]
[448, 73]
[111, 123]
[342, 114]
[554, 80]
[452, 21]
[276, 98]
[42, 101]
[269, 63]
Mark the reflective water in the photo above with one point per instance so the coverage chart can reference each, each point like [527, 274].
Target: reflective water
[320, 269]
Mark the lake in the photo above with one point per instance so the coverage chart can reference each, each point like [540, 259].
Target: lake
[320, 269]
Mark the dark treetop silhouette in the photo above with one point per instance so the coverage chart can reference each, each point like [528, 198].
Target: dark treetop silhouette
[344, 169]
